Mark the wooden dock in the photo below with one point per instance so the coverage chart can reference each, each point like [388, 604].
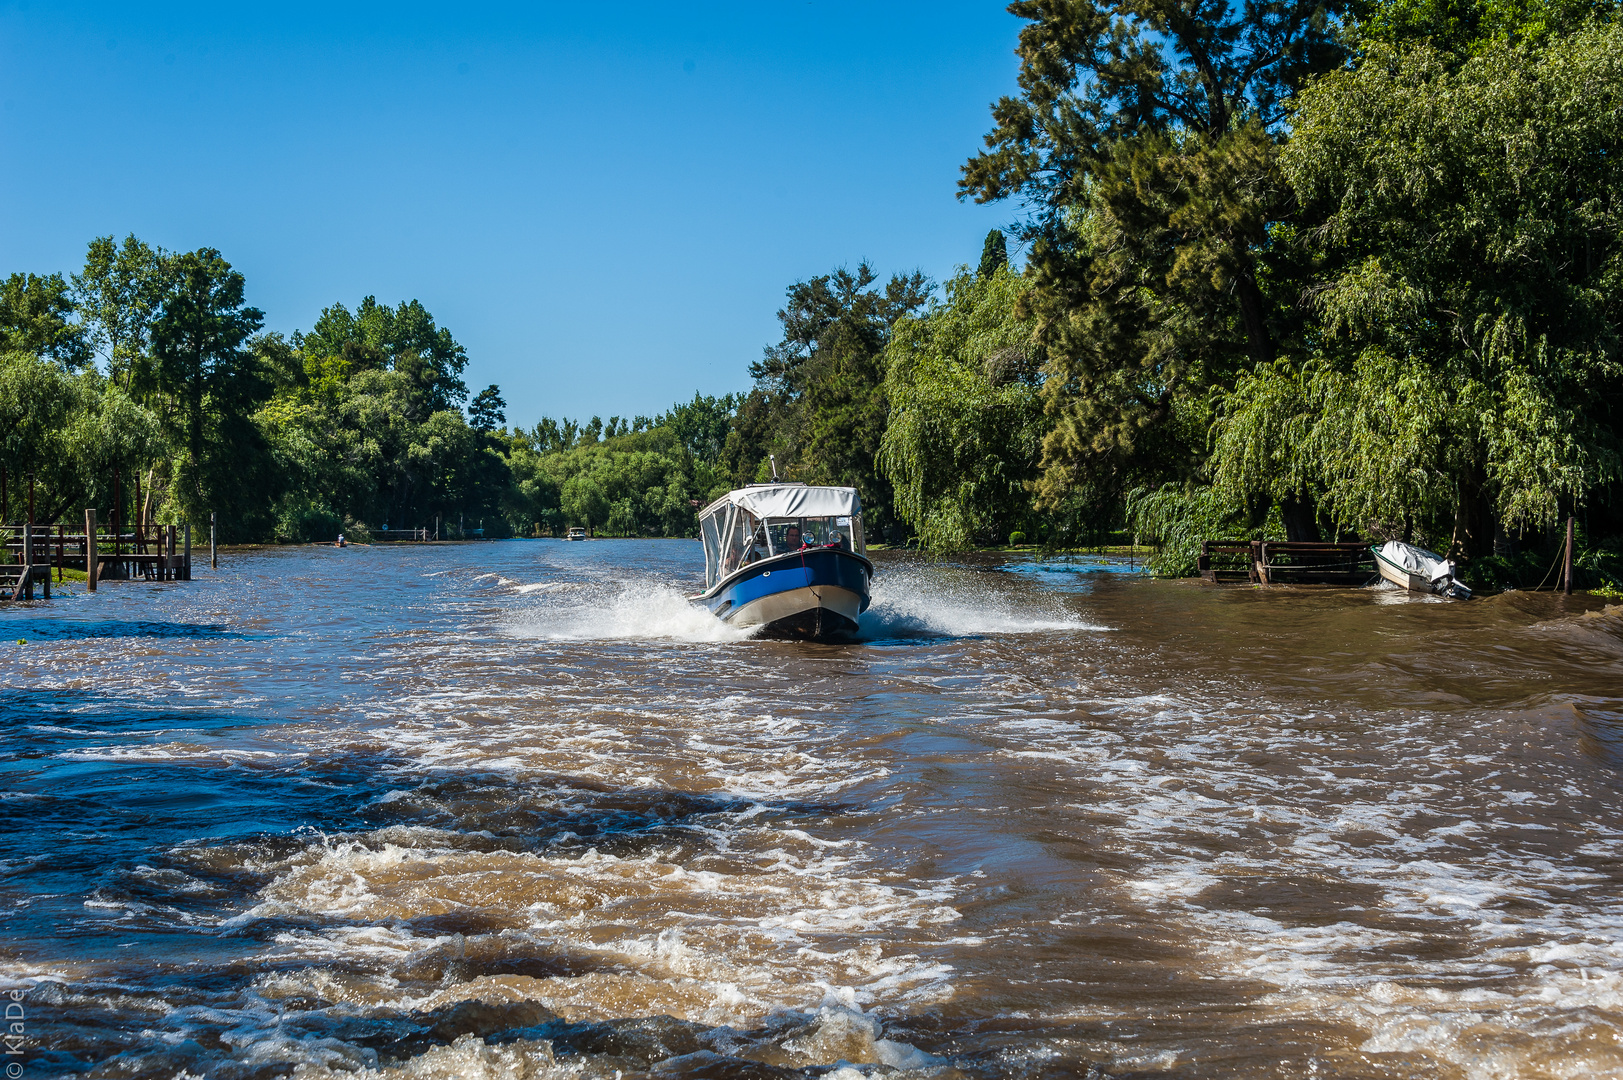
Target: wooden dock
[32, 555]
[1280, 562]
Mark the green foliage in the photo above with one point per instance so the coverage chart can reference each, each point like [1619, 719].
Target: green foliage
[1466, 28]
[1017, 538]
[1466, 368]
[488, 411]
[205, 386]
[637, 484]
[118, 294]
[819, 404]
[36, 316]
[994, 255]
[966, 422]
[1146, 139]
[376, 337]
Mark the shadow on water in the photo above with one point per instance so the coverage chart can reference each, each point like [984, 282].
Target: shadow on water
[86, 629]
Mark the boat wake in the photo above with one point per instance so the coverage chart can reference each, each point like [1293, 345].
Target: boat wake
[615, 610]
[914, 604]
[907, 604]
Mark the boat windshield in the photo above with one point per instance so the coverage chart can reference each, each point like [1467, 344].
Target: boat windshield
[793, 534]
[734, 537]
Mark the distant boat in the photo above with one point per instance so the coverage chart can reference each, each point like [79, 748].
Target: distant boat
[788, 557]
[576, 533]
[1418, 570]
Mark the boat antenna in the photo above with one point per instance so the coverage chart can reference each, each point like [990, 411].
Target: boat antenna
[773, 458]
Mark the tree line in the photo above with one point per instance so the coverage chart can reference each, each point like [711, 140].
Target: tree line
[1299, 269]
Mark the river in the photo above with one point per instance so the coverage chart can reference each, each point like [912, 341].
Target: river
[517, 809]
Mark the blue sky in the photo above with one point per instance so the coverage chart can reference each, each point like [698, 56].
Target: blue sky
[604, 203]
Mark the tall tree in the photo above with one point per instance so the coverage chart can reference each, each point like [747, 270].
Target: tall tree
[208, 381]
[826, 378]
[994, 254]
[403, 338]
[1145, 141]
[966, 422]
[1469, 372]
[36, 316]
[488, 412]
[118, 293]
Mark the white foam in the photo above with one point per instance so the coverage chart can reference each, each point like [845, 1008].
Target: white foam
[628, 610]
[911, 603]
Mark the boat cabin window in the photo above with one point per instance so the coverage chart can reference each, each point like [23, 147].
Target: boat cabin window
[793, 534]
[734, 537]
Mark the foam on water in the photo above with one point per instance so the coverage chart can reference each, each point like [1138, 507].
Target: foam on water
[909, 602]
[616, 610]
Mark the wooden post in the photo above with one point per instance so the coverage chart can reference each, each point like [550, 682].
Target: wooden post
[92, 555]
[1566, 565]
[214, 549]
[186, 559]
[47, 562]
[171, 570]
[60, 541]
[26, 585]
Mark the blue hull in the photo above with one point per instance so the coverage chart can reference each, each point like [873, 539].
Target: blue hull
[814, 595]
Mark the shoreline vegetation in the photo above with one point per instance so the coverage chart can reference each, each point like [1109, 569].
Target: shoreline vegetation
[1318, 270]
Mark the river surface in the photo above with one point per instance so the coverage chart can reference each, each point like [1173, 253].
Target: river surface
[517, 810]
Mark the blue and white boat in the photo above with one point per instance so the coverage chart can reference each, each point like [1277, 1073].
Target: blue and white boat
[787, 557]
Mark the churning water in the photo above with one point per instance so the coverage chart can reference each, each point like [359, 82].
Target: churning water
[518, 809]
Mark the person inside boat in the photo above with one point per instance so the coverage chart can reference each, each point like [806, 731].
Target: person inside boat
[791, 538]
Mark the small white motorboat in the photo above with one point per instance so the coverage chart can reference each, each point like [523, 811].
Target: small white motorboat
[577, 533]
[1418, 570]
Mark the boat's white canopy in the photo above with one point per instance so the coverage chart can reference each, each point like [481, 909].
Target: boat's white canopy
[789, 501]
[1417, 560]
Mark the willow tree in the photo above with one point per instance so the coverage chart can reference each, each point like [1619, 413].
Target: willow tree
[1145, 139]
[1467, 376]
[966, 419]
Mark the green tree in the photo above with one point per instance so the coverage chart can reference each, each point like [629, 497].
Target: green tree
[404, 338]
[36, 399]
[487, 412]
[208, 384]
[1460, 29]
[994, 254]
[826, 378]
[118, 294]
[1466, 376]
[36, 316]
[702, 424]
[966, 424]
[1145, 140]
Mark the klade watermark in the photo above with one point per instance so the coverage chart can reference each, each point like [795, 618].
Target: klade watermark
[15, 1037]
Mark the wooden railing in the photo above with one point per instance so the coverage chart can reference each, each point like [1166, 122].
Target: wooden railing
[33, 554]
[1281, 562]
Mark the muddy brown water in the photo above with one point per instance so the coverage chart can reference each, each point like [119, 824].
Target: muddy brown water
[517, 809]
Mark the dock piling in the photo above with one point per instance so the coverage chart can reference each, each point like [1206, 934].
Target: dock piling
[1566, 563]
[92, 552]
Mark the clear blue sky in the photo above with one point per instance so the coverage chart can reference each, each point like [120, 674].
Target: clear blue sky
[604, 203]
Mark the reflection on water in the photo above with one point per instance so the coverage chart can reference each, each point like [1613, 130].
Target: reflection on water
[518, 809]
